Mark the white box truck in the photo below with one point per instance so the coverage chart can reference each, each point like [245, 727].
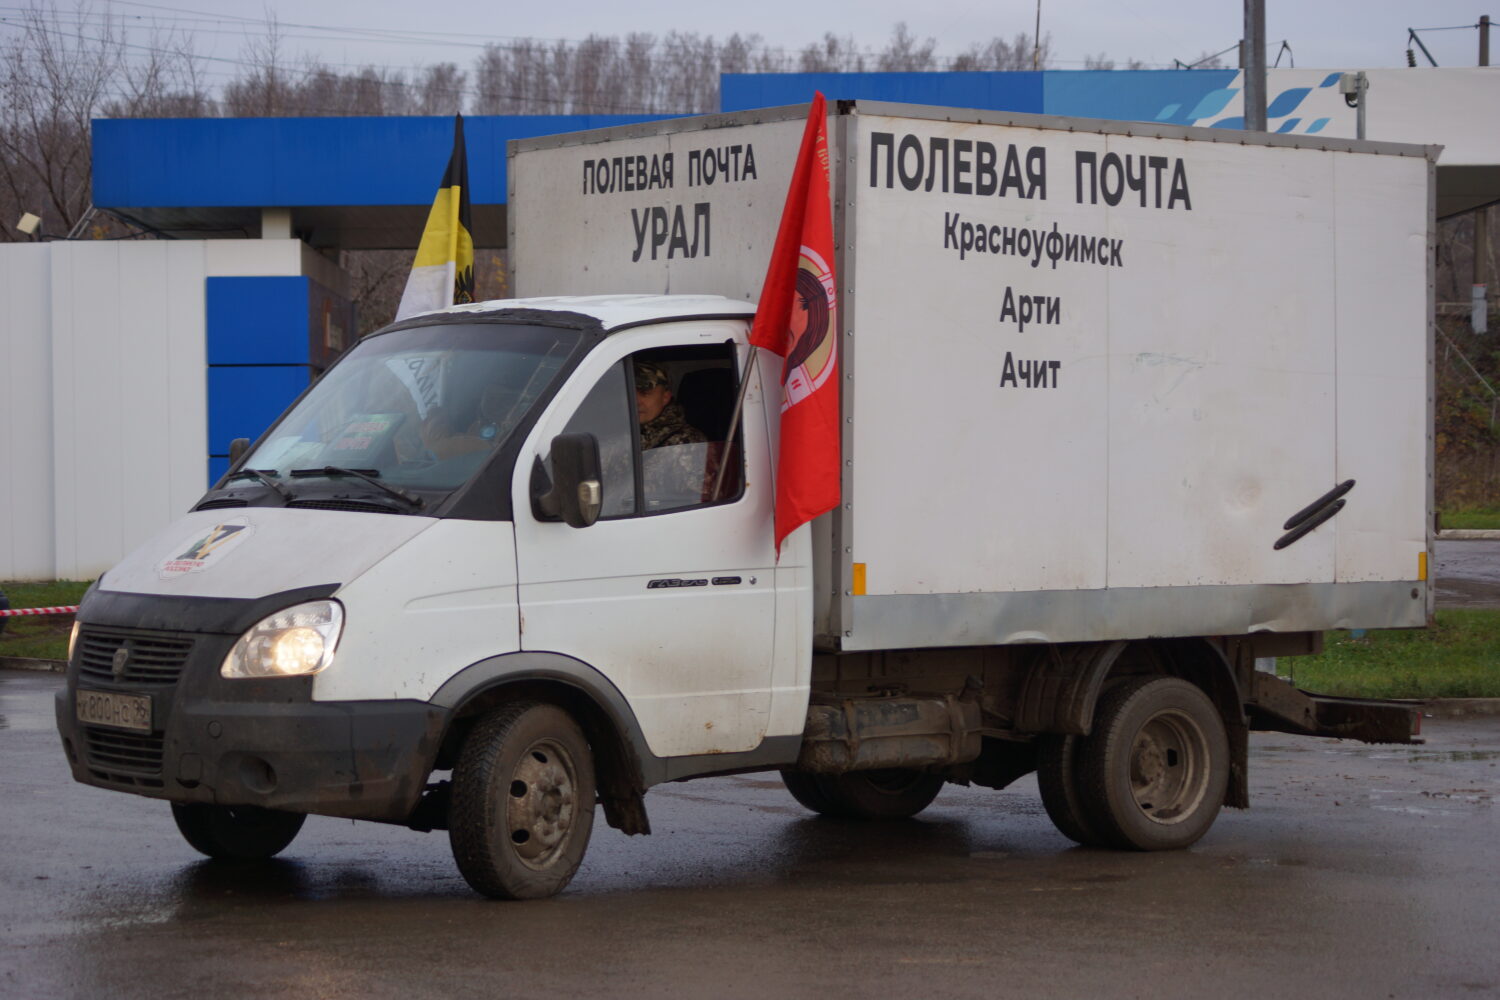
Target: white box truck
[1126, 408]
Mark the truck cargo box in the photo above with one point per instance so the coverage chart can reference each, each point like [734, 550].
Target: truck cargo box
[1101, 380]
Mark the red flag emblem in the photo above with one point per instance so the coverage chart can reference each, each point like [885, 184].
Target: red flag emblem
[798, 319]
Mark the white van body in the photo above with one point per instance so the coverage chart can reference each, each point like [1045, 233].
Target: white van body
[1126, 408]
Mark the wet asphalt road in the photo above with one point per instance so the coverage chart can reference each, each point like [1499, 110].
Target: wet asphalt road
[1359, 872]
[1467, 573]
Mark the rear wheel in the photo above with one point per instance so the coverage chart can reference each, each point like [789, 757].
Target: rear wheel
[236, 833]
[523, 802]
[1153, 773]
[891, 793]
[1057, 777]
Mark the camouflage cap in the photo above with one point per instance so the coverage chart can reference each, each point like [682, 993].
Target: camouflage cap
[648, 376]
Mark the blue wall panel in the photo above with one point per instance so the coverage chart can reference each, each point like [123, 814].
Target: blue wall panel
[1159, 95]
[244, 401]
[1004, 91]
[1124, 95]
[293, 162]
[257, 321]
[307, 161]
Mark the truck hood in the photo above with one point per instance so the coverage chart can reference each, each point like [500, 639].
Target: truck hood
[255, 551]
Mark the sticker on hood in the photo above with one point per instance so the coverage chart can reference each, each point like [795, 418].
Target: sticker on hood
[203, 548]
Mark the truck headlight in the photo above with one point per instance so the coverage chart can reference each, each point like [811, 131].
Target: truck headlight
[293, 642]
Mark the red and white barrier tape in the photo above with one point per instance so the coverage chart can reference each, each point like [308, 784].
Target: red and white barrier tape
[16, 612]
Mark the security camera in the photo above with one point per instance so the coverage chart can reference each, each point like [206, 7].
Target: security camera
[1353, 86]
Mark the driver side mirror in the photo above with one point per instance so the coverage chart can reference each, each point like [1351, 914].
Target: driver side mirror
[576, 494]
[237, 449]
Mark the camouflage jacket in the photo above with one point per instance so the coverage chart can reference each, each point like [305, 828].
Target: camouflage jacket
[675, 475]
[669, 427]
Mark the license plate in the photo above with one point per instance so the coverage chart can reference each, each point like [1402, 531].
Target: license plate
[110, 708]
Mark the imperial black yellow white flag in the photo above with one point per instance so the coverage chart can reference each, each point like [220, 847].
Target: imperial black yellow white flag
[443, 272]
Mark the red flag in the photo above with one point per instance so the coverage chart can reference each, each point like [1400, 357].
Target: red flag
[798, 319]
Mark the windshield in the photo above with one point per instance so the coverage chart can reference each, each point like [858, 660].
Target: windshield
[422, 408]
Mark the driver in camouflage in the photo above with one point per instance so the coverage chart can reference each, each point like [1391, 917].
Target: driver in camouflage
[681, 473]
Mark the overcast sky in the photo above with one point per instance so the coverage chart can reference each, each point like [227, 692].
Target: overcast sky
[1334, 34]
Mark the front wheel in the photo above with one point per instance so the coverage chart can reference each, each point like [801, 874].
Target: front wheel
[892, 793]
[1152, 774]
[236, 833]
[523, 802]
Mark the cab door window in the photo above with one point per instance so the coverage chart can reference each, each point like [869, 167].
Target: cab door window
[662, 418]
[606, 414]
[685, 400]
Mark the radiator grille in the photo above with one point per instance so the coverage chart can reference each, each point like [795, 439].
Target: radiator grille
[154, 657]
[124, 758]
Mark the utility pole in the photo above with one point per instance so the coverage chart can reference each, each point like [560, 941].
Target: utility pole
[1036, 39]
[1255, 65]
[1479, 316]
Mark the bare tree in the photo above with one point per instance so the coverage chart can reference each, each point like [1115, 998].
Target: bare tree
[167, 83]
[1101, 61]
[440, 90]
[905, 54]
[998, 55]
[263, 92]
[53, 82]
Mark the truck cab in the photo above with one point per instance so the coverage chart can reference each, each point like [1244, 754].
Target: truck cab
[387, 565]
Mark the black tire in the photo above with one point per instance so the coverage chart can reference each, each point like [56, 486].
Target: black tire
[1057, 777]
[892, 793]
[523, 802]
[236, 833]
[1152, 774]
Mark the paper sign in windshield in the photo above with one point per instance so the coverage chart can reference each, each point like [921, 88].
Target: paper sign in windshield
[362, 441]
[204, 548]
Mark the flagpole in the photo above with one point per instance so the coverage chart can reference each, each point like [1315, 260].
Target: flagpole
[734, 423]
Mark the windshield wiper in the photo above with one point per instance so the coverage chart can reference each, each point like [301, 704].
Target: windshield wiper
[264, 475]
[368, 475]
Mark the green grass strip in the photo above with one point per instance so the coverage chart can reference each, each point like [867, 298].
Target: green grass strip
[1458, 657]
[1471, 519]
[39, 638]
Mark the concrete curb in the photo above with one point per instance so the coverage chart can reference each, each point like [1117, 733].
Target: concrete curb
[1469, 535]
[1460, 708]
[26, 663]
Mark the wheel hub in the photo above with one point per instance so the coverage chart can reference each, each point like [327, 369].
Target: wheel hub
[542, 804]
[1167, 769]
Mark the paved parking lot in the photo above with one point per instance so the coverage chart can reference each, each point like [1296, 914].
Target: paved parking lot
[1359, 872]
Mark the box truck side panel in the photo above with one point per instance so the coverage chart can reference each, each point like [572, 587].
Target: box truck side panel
[1163, 406]
[665, 207]
[1079, 424]
[1384, 422]
[1221, 345]
[967, 477]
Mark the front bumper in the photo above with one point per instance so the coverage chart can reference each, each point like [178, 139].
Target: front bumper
[239, 742]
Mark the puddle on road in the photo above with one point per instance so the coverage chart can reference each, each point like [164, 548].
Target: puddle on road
[1467, 594]
[1419, 802]
[1417, 755]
